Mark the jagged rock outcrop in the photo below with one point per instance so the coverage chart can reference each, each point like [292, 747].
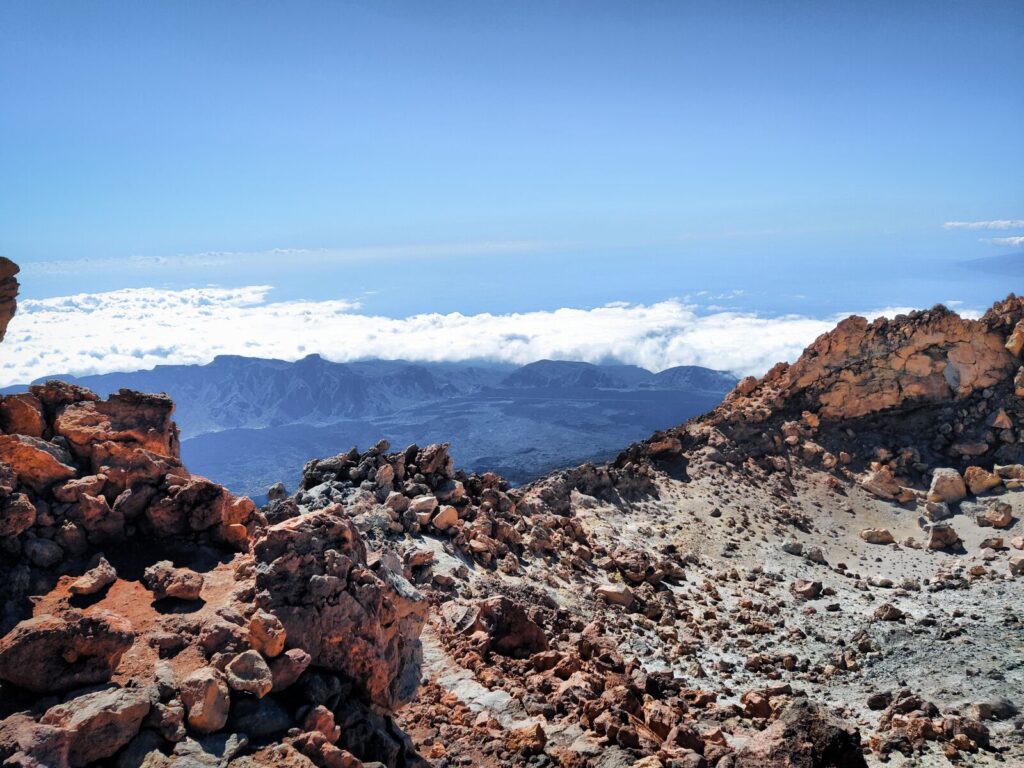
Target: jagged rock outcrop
[861, 368]
[312, 575]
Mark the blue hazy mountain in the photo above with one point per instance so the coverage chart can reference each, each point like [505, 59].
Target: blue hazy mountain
[249, 422]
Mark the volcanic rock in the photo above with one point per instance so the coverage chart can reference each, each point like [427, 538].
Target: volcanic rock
[56, 653]
[206, 698]
[804, 736]
[942, 536]
[249, 673]
[350, 619]
[100, 723]
[877, 536]
[164, 580]
[947, 486]
[96, 579]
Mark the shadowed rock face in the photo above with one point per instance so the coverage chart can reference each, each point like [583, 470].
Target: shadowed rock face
[8, 293]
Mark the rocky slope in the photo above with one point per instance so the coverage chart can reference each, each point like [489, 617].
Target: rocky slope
[824, 571]
[841, 538]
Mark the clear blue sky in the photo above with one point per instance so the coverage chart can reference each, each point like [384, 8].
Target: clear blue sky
[571, 154]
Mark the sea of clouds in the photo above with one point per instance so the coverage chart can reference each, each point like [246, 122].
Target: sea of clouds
[139, 328]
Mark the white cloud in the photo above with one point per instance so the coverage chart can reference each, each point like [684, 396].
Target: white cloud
[133, 329]
[1016, 241]
[994, 224]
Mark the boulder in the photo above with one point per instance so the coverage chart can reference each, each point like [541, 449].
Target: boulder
[164, 580]
[942, 536]
[249, 673]
[267, 634]
[207, 700]
[500, 625]
[131, 418]
[100, 723]
[43, 552]
[30, 744]
[805, 735]
[50, 653]
[96, 579]
[446, 518]
[877, 536]
[22, 415]
[616, 594]
[881, 483]
[288, 667]
[423, 505]
[17, 514]
[807, 590]
[980, 481]
[947, 485]
[998, 515]
[888, 612]
[37, 463]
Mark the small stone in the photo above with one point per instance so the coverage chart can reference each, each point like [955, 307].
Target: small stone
[267, 634]
[877, 536]
[164, 580]
[616, 594]
[808, 590]
[249, 673]
[96, 579]
[888, 612]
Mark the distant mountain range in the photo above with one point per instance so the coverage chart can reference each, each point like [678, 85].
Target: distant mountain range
[249, 422]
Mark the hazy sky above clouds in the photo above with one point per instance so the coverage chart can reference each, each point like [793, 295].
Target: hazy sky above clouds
[786, 162]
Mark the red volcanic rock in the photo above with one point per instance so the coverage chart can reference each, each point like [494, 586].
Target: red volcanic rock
[207, 699]
[133, 418]
[8, 293]
[127, 466]
[17, 514]
[860, 368]
[22, 415]
[164, 580]
[55, 395]
[56, 653]
[313, 575]
[37, 463]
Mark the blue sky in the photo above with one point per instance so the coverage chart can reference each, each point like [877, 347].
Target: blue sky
[794, 157]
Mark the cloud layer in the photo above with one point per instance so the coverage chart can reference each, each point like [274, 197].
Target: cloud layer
[1016, 241]
[993, 224]
[133, 329]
